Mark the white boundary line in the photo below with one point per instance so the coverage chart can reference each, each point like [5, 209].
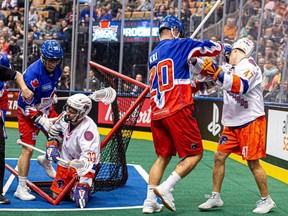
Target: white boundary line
[139, 169]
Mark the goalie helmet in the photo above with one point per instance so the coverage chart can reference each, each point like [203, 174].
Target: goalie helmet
[244, 44]
[171, 22]
[81, 103]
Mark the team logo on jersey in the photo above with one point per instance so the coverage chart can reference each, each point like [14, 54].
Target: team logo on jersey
[88, 135]
[34, 83]
[47, 87]
[223, 139]
[60, 183]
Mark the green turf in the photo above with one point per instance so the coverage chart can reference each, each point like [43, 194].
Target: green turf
[239, 190]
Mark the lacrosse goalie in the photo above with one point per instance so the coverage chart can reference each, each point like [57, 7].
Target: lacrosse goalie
[81, 145]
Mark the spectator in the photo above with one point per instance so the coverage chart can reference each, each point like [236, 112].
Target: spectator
[10, 23]
[230, 29]
[270, 53]
[65, 35]
[93, 82]
[282, 96]
[32, 17]
[16, 14]
[13, 49]
[41, 24]
[8, 4]
[116, 7]
[104, 15]
[5, 33]
[145, 6]
[2, 16]
[161, 12]
[85, 14]
[261, 63]
[185, 15]
[48, 32]
[64, 83]
[3, 45]
[18, 30]
[36, 32]
[136, 89]
[269, 71]
[33, 51]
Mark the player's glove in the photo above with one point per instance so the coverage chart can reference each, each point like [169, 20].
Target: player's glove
[42, 122]
[80, 194]
[52, 151]
[211, 68]
[55, 99]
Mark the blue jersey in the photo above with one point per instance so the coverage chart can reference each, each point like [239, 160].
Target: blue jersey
[170, 88]
[42, 85]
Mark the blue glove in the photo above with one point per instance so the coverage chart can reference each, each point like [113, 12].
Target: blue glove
[80, 195]
[52, 150]
[227, 48]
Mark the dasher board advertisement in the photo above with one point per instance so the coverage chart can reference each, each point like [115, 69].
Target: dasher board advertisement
[277, 134]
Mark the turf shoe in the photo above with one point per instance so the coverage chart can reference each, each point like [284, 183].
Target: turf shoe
[23, 193]
[4, 200]
[166, 197]
[214, 200]
[151, 206]
[264, 206]
[42, 160]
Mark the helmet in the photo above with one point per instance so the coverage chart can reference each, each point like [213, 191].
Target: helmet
[170, 22]
[4, 61]
[51, 50]
[81, 103]
[244, 44]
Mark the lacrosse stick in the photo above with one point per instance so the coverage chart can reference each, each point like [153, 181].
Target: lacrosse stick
[82, 167]
[106, 95]
[205, 18]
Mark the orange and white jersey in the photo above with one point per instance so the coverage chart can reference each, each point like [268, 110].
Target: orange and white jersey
[243, 99]
[83, 142]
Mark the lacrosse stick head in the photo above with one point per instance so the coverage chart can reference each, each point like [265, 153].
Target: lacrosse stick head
[106, 95]
[82, 167]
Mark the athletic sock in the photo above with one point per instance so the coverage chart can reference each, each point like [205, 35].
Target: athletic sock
[22, 181]
[150, 194]
[171, 181]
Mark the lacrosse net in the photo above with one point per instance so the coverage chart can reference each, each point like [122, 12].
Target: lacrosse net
[125, 112]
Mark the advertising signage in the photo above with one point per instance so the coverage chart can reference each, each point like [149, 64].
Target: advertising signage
[133, 31]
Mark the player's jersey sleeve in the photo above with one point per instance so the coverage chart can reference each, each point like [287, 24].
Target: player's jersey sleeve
[42, 85]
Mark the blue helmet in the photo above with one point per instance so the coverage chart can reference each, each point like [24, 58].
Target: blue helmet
[4, 61]
[170, 22]
[51, 50]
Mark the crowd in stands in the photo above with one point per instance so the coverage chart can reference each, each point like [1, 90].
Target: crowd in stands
[270, 56]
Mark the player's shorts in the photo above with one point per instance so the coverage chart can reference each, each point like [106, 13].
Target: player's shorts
[63, 177]
[177, 133]
[27, 128]
[247, 141]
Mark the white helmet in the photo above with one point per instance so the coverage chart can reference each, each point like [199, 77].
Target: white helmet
[244, 44]
[81, 103]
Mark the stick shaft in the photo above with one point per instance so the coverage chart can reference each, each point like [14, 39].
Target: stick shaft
[38, 150]
[205, 18]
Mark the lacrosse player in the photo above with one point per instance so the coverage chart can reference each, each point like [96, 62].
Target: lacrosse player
[174, 130]
[81, 143]
[244, 119]
[7, 74]
[42, 78]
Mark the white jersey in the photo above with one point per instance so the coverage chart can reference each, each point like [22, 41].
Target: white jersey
[83, 142]
[243, 99]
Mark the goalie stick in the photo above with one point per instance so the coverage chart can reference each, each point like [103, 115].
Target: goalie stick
[106, 95]
[81, 166]
[206, 18]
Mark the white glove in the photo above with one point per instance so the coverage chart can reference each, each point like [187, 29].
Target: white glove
[55, 99]
[43, 122]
